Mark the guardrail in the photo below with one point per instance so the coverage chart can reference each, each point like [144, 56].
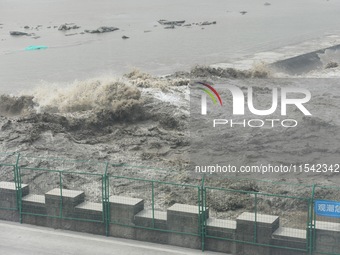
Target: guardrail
[86, 195]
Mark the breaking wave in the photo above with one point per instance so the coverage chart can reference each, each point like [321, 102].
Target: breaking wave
[94, 94]
[13, 105]
[118, 95]
[258, 70]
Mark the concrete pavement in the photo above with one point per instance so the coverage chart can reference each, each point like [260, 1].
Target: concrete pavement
[21, 239]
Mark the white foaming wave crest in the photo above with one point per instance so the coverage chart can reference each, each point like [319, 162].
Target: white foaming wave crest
[106, 92]
[91, 94]
[330, 55]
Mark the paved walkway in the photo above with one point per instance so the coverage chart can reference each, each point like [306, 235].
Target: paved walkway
[17, 239]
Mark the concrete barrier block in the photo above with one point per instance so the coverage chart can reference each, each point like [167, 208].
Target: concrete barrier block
[124, 209]
[122, 213]
[89, 211]
[185, 219]
[147, 219]
[8, 200]
[291, 238]
[9, 187]
[34, 204]
[8, 194]
[257, 229]
[327, 236]
[68, 199]
[263, 227]
[220, 229]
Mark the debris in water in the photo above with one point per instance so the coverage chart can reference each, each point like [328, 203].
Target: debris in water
[17, 33]
[331, 65]
[207, 23]
[65, 27]
[174, 23]
[101, 30]
[36, 47]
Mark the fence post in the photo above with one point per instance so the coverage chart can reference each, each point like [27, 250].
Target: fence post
[106, 202]
[61, 196]
[255, 220]
[311, 220]
[202, 209]
[153, 203]
[17, 181]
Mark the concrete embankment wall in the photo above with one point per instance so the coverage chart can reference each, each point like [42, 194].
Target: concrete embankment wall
[180, 225]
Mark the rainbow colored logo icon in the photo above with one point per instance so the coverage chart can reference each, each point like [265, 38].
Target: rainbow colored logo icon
[211, 92]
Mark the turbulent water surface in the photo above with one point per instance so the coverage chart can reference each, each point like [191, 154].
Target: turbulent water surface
[151, 47]
[79, 98]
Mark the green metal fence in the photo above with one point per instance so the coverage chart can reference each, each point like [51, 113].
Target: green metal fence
[157, 196]
[8, 179]
[329, 246]
[91, 191]
[74, 188]
[233, 204]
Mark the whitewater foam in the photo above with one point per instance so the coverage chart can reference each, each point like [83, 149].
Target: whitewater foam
[91, 94]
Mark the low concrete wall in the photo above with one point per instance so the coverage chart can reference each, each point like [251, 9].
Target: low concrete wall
[122, 213]
[289, 237]
[261, 233]
[327, 236]
[224, 229]
[8, 200]
[179, 225]
[158, 221]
